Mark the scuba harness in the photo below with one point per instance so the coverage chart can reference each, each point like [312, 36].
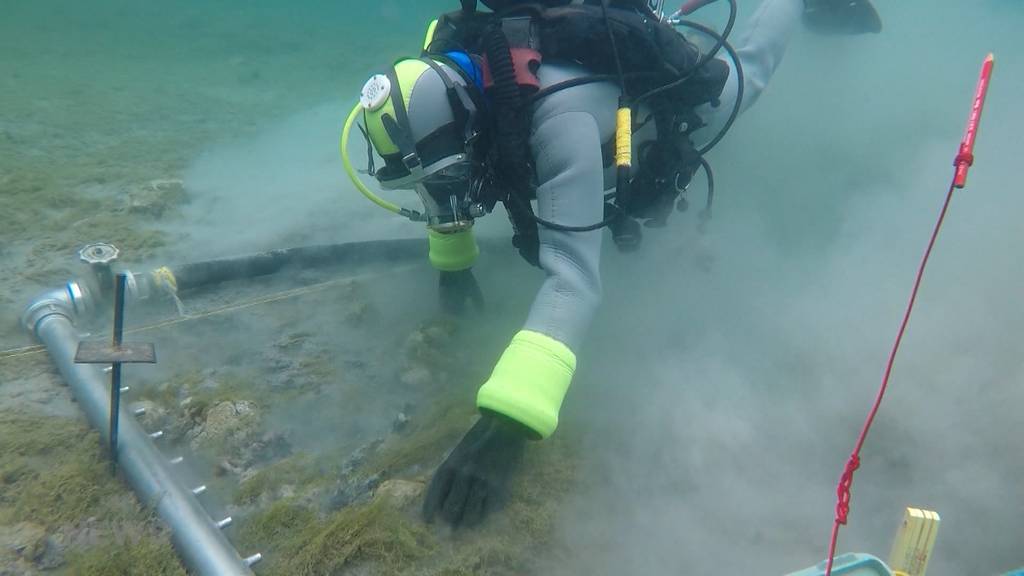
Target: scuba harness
[668, 74]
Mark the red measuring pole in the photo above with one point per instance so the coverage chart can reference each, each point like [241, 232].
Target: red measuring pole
[965, 158]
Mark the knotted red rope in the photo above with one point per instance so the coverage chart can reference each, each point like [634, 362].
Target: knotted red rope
[843, 490]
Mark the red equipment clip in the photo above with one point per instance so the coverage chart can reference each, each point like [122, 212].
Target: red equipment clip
[694, 5]
[965, 157]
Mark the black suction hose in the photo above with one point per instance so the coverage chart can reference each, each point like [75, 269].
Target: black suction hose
[202, 274]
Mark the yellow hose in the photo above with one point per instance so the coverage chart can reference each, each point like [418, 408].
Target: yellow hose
[351, 171]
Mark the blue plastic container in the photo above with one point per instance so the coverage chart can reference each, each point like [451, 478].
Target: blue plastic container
[850, 565]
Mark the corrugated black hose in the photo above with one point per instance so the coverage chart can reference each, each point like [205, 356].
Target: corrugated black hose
[512, 164]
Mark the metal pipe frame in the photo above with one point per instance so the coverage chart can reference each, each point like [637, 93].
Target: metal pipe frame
[51, 319]
[200, 543]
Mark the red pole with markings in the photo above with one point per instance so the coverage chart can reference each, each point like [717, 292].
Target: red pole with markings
[964, 160]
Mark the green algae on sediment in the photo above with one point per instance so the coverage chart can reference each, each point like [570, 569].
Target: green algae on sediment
[55, 474]
[300, 471]
[279, 531]
[430, 435]
[204, 389]
[383, 539]
[146, 556]
[299, 543]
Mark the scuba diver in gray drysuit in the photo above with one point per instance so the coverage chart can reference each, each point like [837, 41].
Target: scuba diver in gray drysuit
[426, 119]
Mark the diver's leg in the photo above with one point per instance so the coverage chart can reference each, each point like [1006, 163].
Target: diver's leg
[567, 154]
[760, 49]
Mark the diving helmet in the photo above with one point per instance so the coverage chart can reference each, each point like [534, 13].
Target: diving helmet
[421, 117]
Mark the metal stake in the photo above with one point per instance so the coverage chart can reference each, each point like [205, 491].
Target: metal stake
[116, 354]
[115, 374]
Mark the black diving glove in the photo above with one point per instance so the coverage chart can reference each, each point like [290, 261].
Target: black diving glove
[473, 480]
[458, 288]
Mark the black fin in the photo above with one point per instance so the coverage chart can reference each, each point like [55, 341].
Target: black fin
[845, 17]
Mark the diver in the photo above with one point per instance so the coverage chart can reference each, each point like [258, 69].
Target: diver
[599, 113]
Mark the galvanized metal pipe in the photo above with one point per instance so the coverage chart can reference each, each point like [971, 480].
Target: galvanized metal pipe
[201, 544]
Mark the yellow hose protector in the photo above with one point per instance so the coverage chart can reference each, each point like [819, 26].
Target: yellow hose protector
[164, 278]
[530, 381]
[351, 171]
[624, 137]
[454, 251]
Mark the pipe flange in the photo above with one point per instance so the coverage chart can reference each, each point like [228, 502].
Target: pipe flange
[60, 302]
[138, 286]
[81, 297]
[98, 254]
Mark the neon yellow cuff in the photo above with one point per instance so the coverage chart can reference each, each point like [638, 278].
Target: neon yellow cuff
[453, 252]
[530, 381]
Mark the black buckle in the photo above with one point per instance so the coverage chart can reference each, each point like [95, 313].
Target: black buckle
[411, 161]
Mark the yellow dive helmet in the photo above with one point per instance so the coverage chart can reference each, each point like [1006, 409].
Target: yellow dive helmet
[421, 118]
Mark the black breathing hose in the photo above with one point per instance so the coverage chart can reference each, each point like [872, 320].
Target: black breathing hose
[565, 228]
[733, 11]
[509, 103]
[721, 41]
[566, 84]
[706, 213]
[740, 85]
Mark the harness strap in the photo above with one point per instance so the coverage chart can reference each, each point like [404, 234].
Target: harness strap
[398, 128]
[461, 104]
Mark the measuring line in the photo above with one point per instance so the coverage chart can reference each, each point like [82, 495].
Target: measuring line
[279, 296]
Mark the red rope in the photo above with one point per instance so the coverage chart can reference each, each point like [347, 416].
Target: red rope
[846, 479]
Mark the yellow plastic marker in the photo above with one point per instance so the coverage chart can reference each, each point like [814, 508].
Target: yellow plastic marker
[623, 152]
[624, 137]
[914, 542]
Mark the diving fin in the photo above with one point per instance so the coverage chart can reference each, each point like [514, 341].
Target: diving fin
[845, 17]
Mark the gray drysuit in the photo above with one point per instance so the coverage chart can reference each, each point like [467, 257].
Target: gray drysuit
[568, 130]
